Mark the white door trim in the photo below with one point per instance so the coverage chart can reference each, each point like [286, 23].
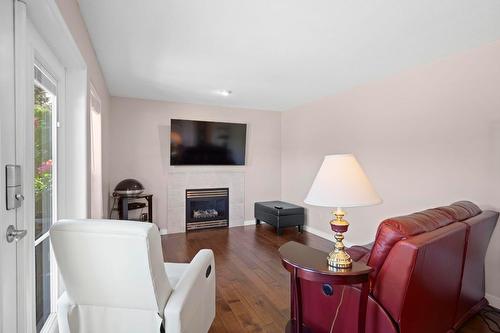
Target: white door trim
[8, 284]
[41, 55]
[25, 316]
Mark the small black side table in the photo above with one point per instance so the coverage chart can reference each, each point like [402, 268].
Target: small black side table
[124, 203]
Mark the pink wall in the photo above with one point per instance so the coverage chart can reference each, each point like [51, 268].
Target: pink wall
[140, 139]
[426, 137]
[70, 10]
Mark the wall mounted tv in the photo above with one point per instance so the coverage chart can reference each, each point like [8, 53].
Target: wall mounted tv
[207, 143]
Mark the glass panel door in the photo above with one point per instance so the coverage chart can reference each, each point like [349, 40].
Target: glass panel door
[45, 104]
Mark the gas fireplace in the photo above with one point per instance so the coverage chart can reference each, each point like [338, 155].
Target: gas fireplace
[207, 208]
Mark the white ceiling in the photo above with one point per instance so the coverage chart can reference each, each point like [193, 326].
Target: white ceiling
[274, 54]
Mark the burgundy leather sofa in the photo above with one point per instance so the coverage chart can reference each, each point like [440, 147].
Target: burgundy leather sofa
[428, 275]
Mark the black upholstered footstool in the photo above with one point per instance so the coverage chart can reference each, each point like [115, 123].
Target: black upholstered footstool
[279, 214]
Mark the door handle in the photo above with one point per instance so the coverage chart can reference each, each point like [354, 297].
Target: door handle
[14, 234]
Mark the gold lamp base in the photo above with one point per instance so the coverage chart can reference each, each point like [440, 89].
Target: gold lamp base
[339, 258]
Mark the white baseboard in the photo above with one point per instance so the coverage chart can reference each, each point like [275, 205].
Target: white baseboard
[163, 231]
[493, 300]
[314, 231]
[319, 233]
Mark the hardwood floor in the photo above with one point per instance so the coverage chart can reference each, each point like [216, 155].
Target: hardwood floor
[252, 286]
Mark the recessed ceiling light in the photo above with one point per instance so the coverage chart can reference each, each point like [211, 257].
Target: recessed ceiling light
[224, 92]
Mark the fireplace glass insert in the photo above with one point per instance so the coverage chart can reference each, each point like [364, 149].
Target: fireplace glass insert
[207, 208]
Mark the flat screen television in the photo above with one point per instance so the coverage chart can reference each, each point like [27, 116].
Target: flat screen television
[207, 143]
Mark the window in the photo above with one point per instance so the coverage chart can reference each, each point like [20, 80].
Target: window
[45, 106]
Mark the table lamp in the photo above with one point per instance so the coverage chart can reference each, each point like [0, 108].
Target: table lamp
[341, 183]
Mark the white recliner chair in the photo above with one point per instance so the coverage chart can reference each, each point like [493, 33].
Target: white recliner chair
[116, 281]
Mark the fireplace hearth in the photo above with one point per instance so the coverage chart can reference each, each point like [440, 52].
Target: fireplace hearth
[207, 208]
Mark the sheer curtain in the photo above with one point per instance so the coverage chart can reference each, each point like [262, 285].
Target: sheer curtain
[96, 202]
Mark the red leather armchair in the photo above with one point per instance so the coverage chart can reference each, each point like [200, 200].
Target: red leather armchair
[428, 274]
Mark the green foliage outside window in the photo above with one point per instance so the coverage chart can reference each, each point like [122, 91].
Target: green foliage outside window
[43, 147]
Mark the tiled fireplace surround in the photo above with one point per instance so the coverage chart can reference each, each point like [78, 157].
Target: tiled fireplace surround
[180, 181]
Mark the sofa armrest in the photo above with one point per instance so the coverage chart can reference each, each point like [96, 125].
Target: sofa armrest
[191, 305]
[360, 252]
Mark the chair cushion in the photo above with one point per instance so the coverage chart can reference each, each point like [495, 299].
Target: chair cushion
[175, 272]
[111, 263]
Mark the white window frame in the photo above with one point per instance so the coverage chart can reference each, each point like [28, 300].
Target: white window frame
[96, 195]
[72, 163]
[59, 81]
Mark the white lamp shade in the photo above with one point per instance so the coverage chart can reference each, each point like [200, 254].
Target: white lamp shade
[341, 182]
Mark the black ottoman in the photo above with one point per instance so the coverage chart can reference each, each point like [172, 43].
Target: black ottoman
[279, 214]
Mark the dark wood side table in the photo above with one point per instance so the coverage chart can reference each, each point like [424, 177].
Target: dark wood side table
[309, 269]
